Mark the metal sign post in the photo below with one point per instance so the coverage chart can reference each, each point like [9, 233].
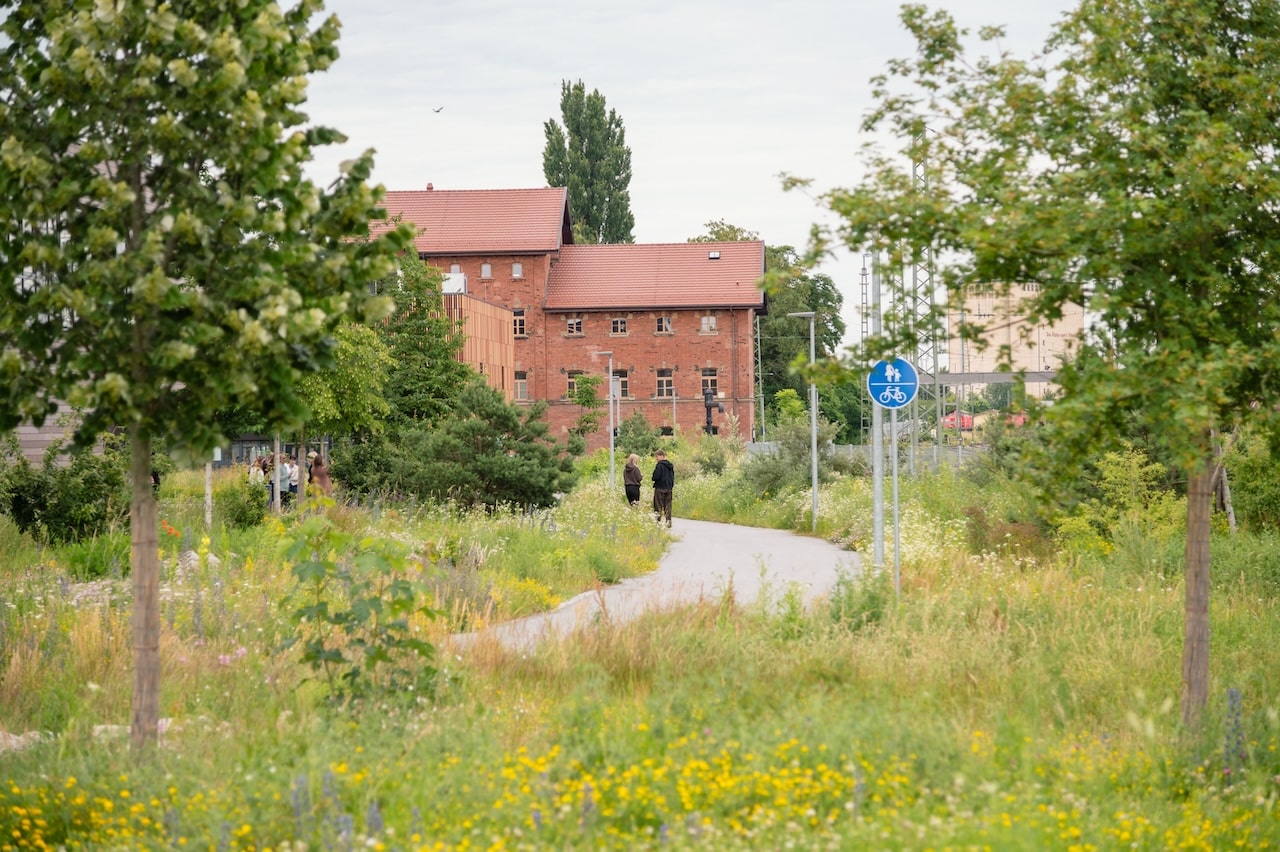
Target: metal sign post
[892, 385]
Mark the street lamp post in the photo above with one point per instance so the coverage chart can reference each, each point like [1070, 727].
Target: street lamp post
[813, 414]
[609, 398]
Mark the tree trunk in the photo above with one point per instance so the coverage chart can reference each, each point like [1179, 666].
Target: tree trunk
[303, 466]
[1222, 484]
[1195, 649]
[144, 566]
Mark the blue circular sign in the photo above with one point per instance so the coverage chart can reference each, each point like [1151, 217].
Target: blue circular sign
[893, 384]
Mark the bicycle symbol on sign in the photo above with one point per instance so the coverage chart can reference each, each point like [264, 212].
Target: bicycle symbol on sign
[893, 393]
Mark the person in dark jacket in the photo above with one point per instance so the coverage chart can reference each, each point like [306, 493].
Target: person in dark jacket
[664, 480]
[631, 479]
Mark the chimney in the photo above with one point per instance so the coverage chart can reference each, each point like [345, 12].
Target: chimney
[430, 187]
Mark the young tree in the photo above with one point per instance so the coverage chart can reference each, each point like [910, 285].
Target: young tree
[1135, 176]
[586, 395]
[589, 155]
[163, 256]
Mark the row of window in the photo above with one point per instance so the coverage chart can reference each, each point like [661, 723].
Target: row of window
[665, 387]
[617, 325]
[486, 270]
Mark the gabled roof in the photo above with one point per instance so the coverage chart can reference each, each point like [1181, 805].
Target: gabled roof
[484, 221]
[663, 275]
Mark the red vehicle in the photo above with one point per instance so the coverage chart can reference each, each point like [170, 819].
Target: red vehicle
[966, 421]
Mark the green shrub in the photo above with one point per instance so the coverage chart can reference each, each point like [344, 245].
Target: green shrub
[63, 502]
[710, 455]
[789, 466]
[105, 555]
[240, 504]
[635, 435]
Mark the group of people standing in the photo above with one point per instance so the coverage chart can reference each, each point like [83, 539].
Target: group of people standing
[664, 482]
[262, 472]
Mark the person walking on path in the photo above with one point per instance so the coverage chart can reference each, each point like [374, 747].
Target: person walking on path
[664, 480]
[631, 479]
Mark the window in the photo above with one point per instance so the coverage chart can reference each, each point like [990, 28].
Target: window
[663, 325]
[666, 384]
[708, 379]
[455, 268]
[517, 270]
[522, 385]
[618, 325]
[709, 324]
[620, 379]
[517, 318]
[486, 270]
[573, 325]
[573, 382]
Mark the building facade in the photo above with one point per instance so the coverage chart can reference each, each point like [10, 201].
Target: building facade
[678, 318]
[1034, 348]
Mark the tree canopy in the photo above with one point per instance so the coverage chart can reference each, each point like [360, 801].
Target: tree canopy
[588, 153]
[1131, 171]
[163, 254]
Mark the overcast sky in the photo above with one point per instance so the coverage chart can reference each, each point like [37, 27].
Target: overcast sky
[718, 97]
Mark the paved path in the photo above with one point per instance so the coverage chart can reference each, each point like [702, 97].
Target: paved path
[700, 565]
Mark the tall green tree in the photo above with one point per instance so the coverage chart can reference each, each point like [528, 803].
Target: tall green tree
[163, 255]
[784, 340]
[426, 376]
[1133, 171]
[588, 153]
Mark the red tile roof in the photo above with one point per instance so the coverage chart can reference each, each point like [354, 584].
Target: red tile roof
[665, 275]
[484, 221]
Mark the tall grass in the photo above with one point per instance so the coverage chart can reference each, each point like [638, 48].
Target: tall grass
[1007, 698]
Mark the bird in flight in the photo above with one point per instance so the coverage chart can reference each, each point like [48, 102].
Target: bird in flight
[437, 109]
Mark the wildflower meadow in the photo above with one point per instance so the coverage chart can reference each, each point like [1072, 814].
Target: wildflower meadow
[1019, 692]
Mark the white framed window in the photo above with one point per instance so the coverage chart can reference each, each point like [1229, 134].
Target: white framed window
[618, 325]
[620, 379]
[709, 377]
[517, 270]
[572, 386]
[666, 384]
[486, 270]
[573, 326]
[662, 325]
[522, 385]
[455, 268]
[517, 319]
[709, 324]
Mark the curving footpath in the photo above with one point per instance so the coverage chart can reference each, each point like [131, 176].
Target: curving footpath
[701, 563]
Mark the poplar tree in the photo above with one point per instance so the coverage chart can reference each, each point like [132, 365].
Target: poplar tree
[1131, 171]
[589, 155]
[162, 254]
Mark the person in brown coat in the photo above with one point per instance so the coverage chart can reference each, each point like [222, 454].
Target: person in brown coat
[319, 474]
[631, 479]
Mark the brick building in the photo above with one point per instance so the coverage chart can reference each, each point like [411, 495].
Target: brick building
[679, 318]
